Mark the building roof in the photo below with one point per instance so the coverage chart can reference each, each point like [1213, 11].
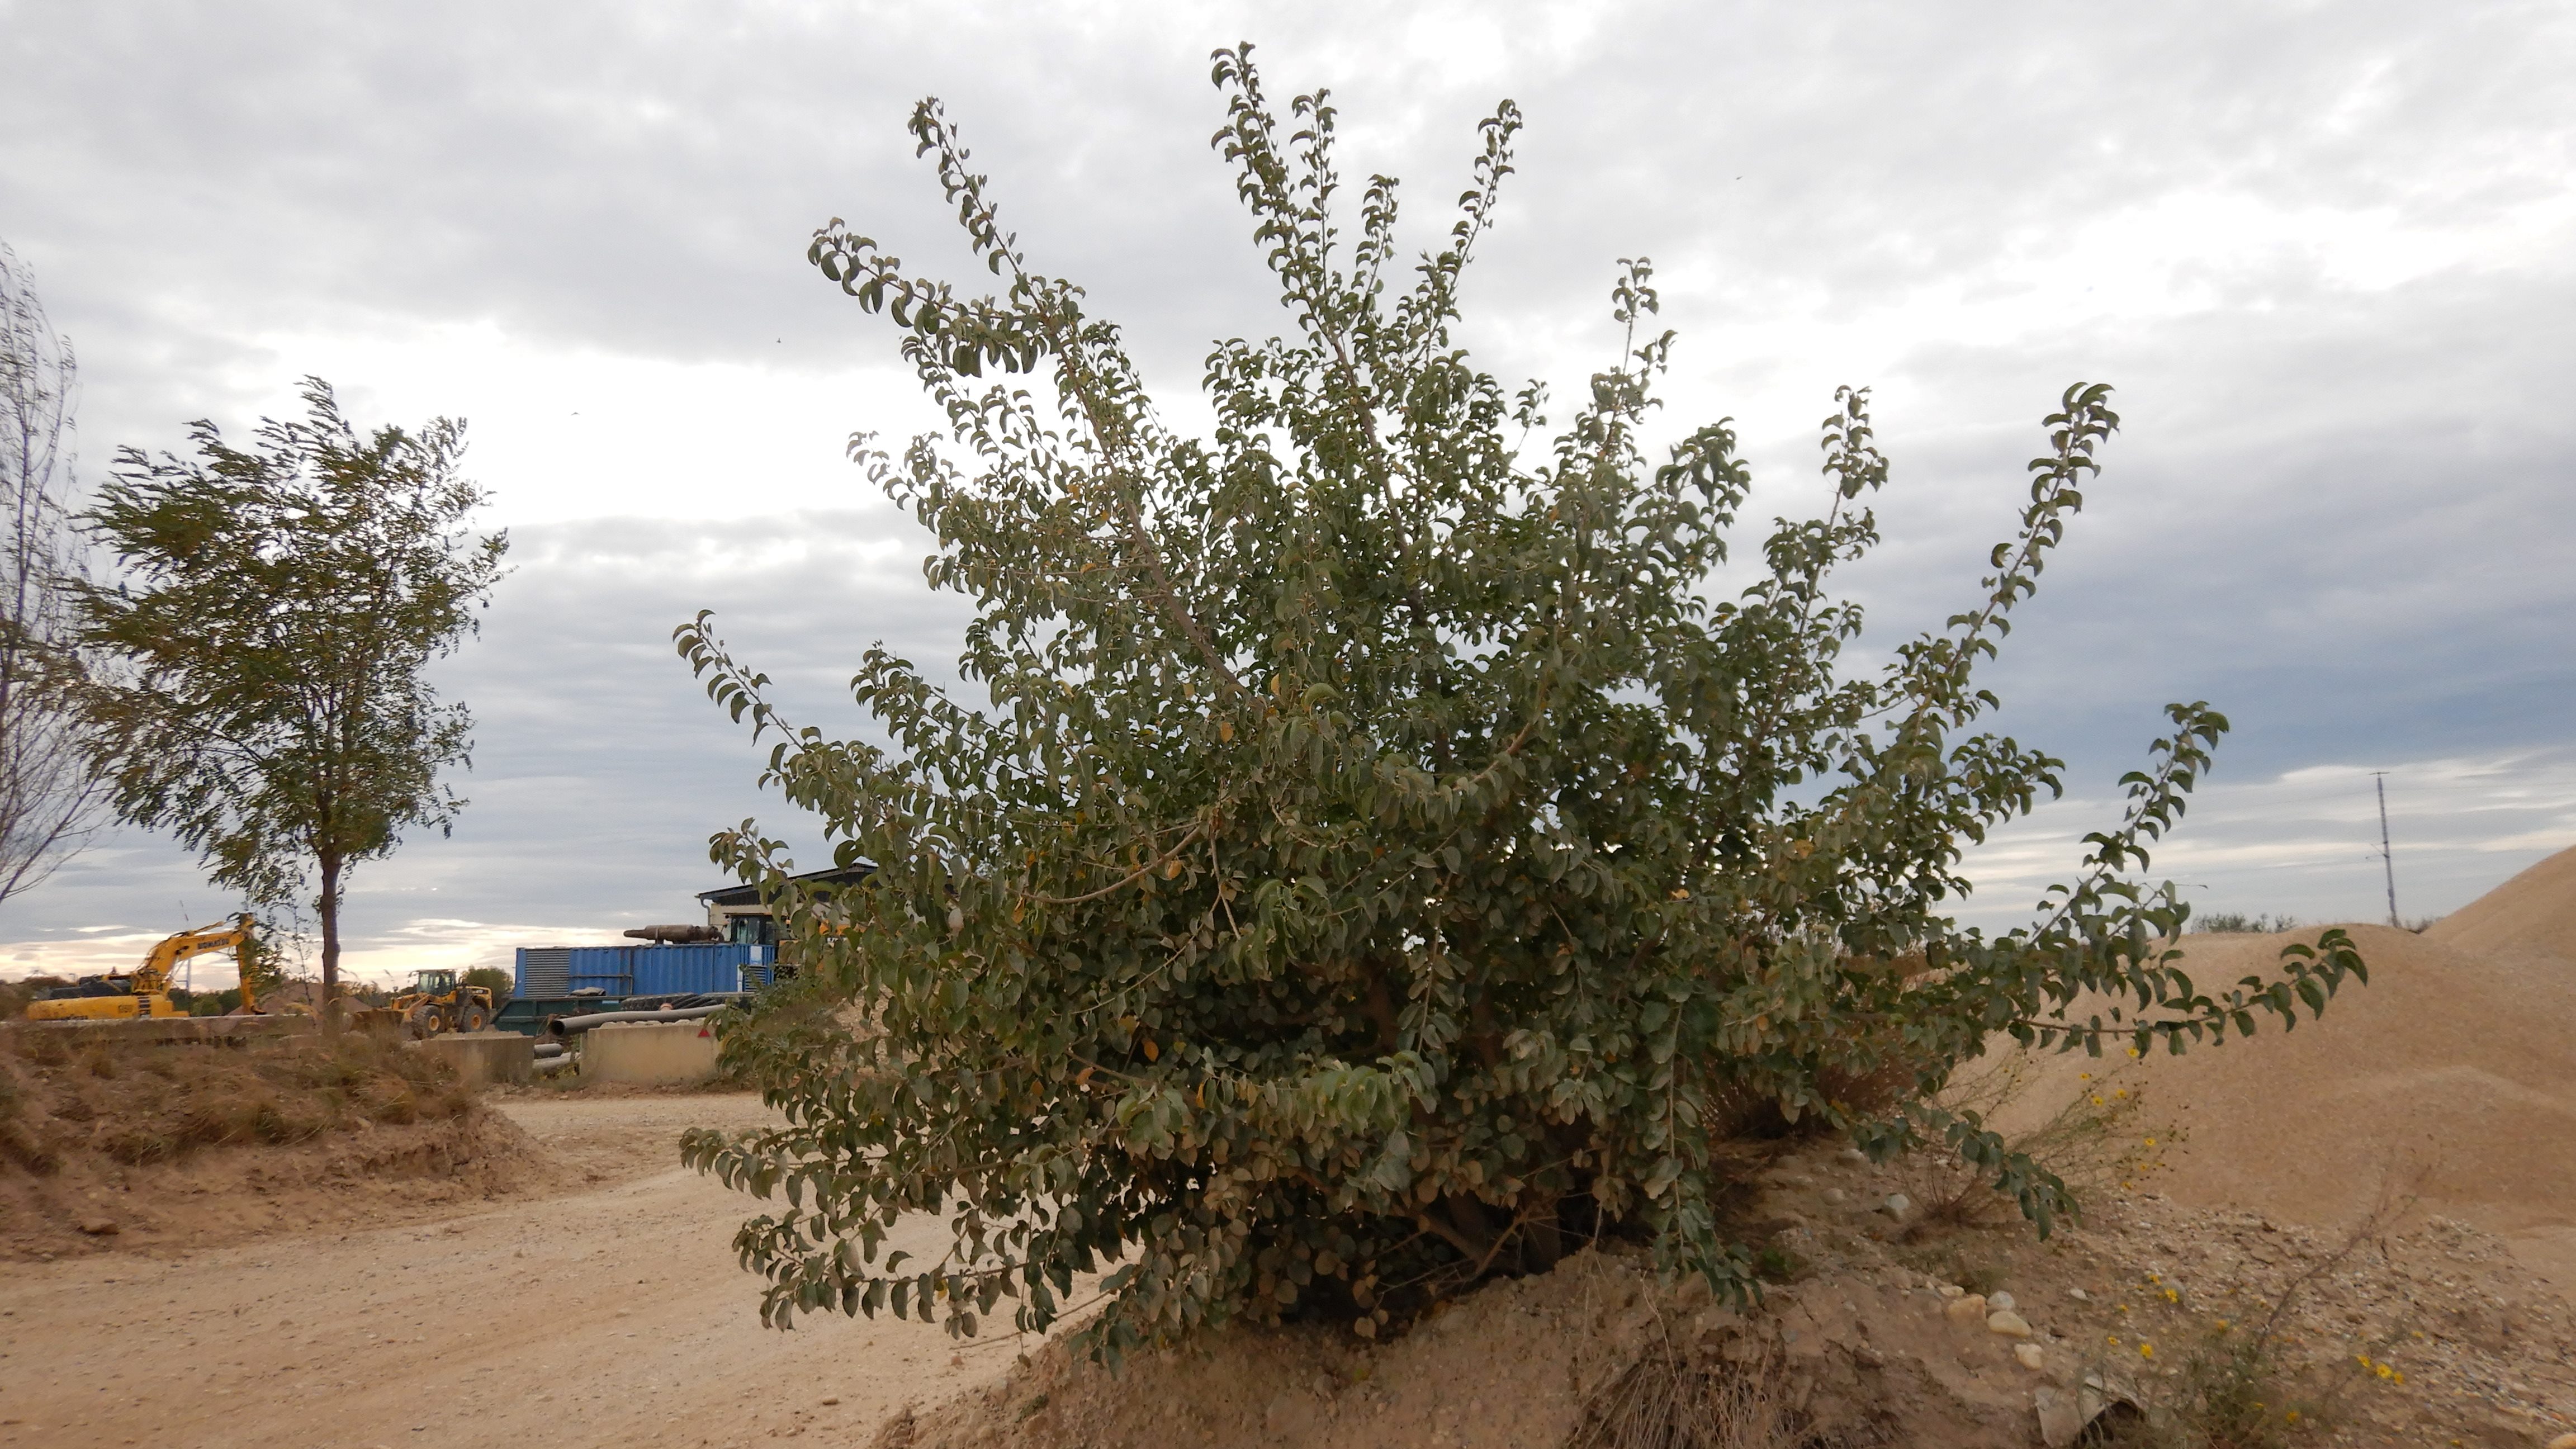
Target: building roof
[819, 882]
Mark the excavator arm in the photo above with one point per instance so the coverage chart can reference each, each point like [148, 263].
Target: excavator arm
[232, 934]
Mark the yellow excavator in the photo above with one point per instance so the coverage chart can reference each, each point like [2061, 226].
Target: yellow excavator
[145, 991]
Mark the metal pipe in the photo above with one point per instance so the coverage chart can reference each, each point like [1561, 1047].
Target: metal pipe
[546, 1066]
[546, 1049]
[569, 1025]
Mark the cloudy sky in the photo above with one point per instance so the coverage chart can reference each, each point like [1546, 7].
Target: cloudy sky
[2323, 251]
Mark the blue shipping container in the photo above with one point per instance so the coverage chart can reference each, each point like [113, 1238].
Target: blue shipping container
[640, 970]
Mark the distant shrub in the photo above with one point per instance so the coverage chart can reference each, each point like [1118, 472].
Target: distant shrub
[2238, 921]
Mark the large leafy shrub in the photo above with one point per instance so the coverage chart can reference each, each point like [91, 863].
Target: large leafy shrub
[1380, 864]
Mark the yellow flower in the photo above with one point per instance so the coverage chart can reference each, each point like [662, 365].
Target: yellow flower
[2146, 1350]
[2083, 1076]
[2172, 1297]
[2222, 1325]
[2133, 1051]
[2097, 1099]
[2397, 1376]
[2292, 1416]
[2113, 1339]
[2155, 1277]
[2122, 1094]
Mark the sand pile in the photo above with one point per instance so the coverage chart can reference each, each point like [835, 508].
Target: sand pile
[2458, 1068]
[2451, 1076]
[2532, 914]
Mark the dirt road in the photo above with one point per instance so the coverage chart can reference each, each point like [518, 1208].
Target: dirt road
[615, 1315]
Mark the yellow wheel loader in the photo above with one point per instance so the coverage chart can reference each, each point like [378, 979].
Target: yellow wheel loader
[436, 1003]
[145, 991]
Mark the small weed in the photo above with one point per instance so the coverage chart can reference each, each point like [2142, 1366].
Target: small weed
[2094, 1141]
[137, 1145]
[30, 1153]
[223, 1119]
[1776, 1264]
[396, 1107]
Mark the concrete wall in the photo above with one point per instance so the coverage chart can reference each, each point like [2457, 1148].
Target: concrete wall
[649, 1051]
[486, 1056]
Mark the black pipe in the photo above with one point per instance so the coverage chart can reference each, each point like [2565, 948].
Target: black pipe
[570, 1025]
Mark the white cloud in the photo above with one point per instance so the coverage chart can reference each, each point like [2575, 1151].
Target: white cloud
[2323, 252]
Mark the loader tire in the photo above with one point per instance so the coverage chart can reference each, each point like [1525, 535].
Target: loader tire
[473, 1018]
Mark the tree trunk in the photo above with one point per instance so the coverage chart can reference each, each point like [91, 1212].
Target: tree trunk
[328, 908]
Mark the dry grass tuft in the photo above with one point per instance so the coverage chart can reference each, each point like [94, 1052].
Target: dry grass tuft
[1670, 1400]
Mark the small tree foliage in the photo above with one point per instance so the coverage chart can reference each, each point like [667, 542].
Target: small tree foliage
[1381, 864]
[259, 680]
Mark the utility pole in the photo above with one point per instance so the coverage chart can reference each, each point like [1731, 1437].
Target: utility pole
[2386, 860]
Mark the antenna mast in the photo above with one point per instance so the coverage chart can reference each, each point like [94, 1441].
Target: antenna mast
[2386, 860]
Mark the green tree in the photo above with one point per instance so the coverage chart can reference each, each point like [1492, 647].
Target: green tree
[1382, 864]
[259, 682]
[492, 979]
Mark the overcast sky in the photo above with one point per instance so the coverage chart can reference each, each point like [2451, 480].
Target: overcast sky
[2323, 251]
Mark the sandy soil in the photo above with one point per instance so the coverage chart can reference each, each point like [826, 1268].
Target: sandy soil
[1864, 1343]
[614, 1314]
